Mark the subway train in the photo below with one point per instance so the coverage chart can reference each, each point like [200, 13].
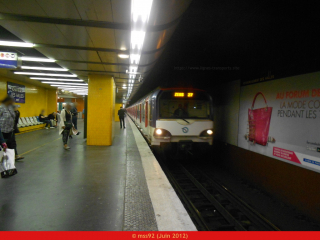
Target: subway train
[175, 118]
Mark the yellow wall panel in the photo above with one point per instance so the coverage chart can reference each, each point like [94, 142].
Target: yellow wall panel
[100, 110]
[37, 98]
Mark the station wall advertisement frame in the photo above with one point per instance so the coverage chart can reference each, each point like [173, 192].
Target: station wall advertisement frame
[280, 118]
[17, 91]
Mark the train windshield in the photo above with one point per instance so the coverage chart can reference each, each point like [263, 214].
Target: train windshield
[184, 105]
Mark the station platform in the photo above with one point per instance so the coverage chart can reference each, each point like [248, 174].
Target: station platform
[89, 188]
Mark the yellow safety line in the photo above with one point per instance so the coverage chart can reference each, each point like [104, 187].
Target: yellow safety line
[39, 147]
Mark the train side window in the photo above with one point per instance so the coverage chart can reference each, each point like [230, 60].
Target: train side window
[150, 109]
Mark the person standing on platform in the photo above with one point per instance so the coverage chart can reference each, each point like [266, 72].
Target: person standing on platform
[74, 112]
[16, 129]
[122, 114]
[65, 125]
[7, 122]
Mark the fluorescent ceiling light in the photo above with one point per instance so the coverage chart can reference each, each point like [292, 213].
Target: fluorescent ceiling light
[35, 59]
[45, 68]
[135, 58]
[123, 56]
[46, 74]
[72, 84]
[84, 91]
[16, 44]
[67, 86]
[57, 79]
[137, 39]
[133, 69]
[140, 9]
[124, 87]
[71, 88]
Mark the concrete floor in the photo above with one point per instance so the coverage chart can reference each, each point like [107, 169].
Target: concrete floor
[56, 189]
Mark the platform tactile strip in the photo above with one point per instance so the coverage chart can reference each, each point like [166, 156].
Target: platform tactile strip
[139, 213]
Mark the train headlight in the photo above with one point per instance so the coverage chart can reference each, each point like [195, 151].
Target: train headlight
[209, 132]
[206, 133]
[161, 133]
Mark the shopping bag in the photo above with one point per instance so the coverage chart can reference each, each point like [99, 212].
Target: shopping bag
[259, 122]
[75, 132]
[8, 163]
[2, 165]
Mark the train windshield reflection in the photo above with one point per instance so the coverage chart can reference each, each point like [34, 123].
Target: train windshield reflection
[195, 108]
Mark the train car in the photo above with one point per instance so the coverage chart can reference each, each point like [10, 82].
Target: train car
[175, 117]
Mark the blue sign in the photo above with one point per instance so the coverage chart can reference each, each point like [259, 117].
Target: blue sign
[17, 91]
[8, 60]
[185, 130]
[311, 161]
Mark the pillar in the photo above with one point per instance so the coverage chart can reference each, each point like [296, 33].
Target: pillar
[100, 118]
[52, 99]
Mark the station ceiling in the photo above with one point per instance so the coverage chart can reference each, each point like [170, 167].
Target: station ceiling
[86, 36]
[253, 38]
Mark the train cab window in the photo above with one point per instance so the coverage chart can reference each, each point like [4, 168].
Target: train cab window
[195, 107]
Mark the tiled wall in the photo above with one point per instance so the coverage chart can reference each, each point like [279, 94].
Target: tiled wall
[37, 98]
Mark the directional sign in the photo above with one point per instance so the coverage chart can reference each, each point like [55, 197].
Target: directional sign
[8, 60]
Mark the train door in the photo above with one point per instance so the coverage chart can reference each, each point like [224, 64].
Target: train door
[147, 116]
[143, 112]
[140, 112]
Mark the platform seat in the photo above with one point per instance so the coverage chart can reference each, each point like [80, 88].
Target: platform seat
[24, 121]
[21, 124]
[28, 124]
[29, 121]
[35, 119]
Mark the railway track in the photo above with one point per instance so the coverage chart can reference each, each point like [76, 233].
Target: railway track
[211, 205]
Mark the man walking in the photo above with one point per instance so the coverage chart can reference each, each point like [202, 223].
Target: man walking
[74, 112]
[122, 114]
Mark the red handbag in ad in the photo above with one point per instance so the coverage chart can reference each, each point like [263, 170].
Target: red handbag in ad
[259, 122]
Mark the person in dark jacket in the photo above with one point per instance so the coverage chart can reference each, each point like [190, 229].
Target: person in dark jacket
[16, 129]
[122, 114]
[44, 119]
[74, 112]
[53, 116]
[2, 142]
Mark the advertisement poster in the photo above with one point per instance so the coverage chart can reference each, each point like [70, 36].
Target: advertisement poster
[17, 91]
[281, 119]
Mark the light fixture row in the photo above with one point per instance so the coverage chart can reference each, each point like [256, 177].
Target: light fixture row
[140, 12]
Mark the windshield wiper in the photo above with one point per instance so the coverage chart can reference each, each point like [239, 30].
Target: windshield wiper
[184, 120]
[177, 116]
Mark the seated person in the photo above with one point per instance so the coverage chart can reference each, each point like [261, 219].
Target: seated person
[53, 116]
[180, 112]
[44, 119]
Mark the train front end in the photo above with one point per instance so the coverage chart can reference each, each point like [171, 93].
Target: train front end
[184, 119]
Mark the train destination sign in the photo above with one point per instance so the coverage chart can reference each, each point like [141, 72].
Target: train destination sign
[182, 94]
[8, 60]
